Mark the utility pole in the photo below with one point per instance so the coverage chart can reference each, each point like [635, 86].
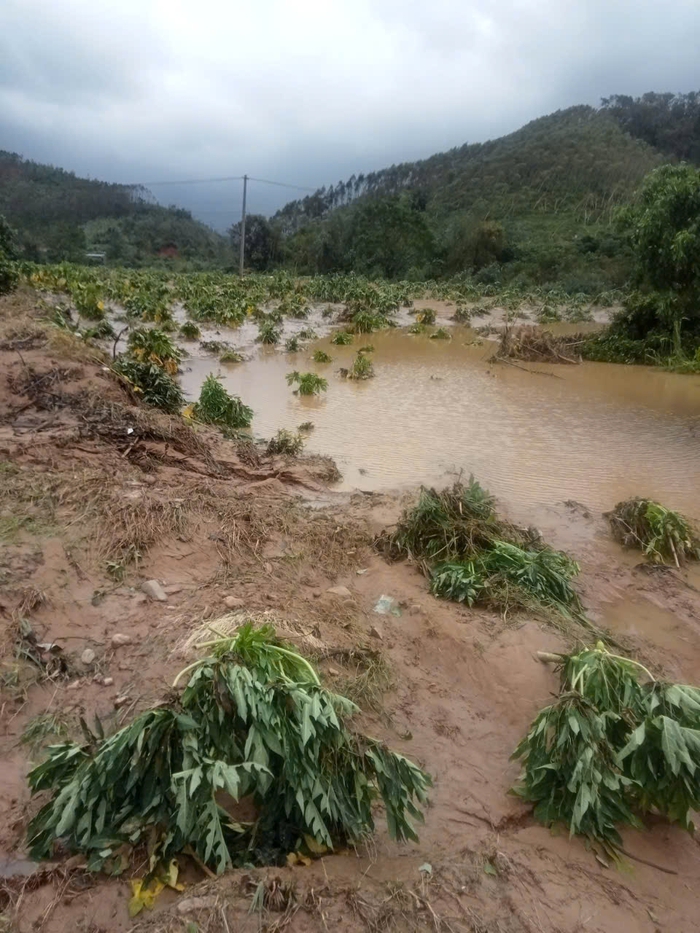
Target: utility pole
[242, 257]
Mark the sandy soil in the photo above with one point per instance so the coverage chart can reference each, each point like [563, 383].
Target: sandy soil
[88, 478]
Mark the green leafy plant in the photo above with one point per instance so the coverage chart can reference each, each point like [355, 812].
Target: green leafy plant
[231, 356]
[342, 338]
[216, 406]
[151, 345]
[307, 383]
[152, 383]
[190, 331]
[292, 344]
[361, 368]
[269, 332]
[441, 334]
[253, 721]
[614, 745]
[320, 356]
[289, 443]
[9, 272]
[663, 535]
[417, 329]
[426, 316]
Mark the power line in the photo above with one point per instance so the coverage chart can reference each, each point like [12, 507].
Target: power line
[209, 181]
[280, 184]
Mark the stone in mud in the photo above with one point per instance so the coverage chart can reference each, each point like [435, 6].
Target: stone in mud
[375, 633]
[87, 657]
[341, 591]
[153, 589]
[119, 640]
[234, 602]
[192, 904]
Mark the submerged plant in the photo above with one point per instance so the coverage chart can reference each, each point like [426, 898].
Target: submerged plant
[417, 328]
[190, 331]
[307, 333]
[253, 721]
[216, 406]
[290, 443]
[231, 356]
[292, 344]
[613, 746]
[320, 356]
[361, 368]
[441, 334]
[426, 316]
[663, 535]
[152, 383]
[307, 383]
[342, 338]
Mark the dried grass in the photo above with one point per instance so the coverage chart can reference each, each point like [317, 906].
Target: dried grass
[535, 345]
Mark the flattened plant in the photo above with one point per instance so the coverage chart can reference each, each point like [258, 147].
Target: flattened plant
[253, 721]
[615, 745]
[663, 535]
[152, 383]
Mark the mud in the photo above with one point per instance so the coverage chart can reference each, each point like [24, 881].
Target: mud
[270, 533]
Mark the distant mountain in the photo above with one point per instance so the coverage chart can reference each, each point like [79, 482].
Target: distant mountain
[61, 216]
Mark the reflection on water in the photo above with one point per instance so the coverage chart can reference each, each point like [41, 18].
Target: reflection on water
[596, 432]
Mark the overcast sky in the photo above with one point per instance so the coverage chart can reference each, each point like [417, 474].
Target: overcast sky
[310, 91]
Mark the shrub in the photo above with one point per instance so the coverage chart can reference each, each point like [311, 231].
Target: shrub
[216, 406]
[154, 385]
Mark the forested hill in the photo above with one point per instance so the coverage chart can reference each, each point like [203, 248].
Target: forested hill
[60, 216]
[576, 159]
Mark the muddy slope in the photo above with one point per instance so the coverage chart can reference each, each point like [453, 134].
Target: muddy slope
[98, 495]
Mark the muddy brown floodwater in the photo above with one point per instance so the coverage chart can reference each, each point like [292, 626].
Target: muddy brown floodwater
[596, 433]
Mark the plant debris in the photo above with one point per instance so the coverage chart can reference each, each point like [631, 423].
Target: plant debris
[533, 344]
[254, 722]
[663, 535]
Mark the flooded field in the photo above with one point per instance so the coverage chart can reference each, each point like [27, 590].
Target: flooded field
[596, 432]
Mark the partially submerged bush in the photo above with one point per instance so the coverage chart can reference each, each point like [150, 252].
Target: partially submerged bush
[153, 345]
[441, 334]
[293, 344]
[307, 383]
[473, 556]
[663, 535]
[342, 338]
[612, 748]
[253, 721]
[154, 385]
[320, 356]
[426, 316]
[190, 331]
[216, 406]
[269, 332]
[231, 356]
[361, 368]
[290, 443]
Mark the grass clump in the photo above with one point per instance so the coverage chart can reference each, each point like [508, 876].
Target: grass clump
[190, 331]
[614, 745]
[320, 356]
[253, 721]
[289, 443]
[216, 406]
[473, 556]
[152, 383]
[342, 338]
[307, 383]
[663, 535]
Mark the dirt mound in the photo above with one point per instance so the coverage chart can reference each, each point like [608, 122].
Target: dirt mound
[99, 496]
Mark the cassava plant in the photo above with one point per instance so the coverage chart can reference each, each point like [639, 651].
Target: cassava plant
[253, 721]
[663, 535]
[616, 744]
[216, 406]
[307, 383]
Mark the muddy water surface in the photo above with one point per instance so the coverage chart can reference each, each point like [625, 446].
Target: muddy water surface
[596, 432]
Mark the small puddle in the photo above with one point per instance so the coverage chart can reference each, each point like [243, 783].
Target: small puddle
[597, 432]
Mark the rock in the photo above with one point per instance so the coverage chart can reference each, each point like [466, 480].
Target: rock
[333, 671]
[316, 594]
[74, 685]
[341, 591]
[234, 602]
[120, 701]
[87, 657]
[192, 904]
[153, 589]
[268, 567]
[119, 640]
[375, 633]
[173, 589]
[107, 681]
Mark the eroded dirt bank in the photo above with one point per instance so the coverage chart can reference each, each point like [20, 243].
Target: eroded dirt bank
[98, 495]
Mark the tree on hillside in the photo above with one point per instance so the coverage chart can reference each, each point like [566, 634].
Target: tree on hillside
[262, 242]
[664, 230]
[8, 255]
[388, 236]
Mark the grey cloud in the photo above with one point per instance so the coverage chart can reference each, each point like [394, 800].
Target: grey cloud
[312, 91]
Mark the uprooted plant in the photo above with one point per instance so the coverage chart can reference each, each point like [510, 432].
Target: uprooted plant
[473, 556]
[253, 721]
[663, 535]
[615, 745]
